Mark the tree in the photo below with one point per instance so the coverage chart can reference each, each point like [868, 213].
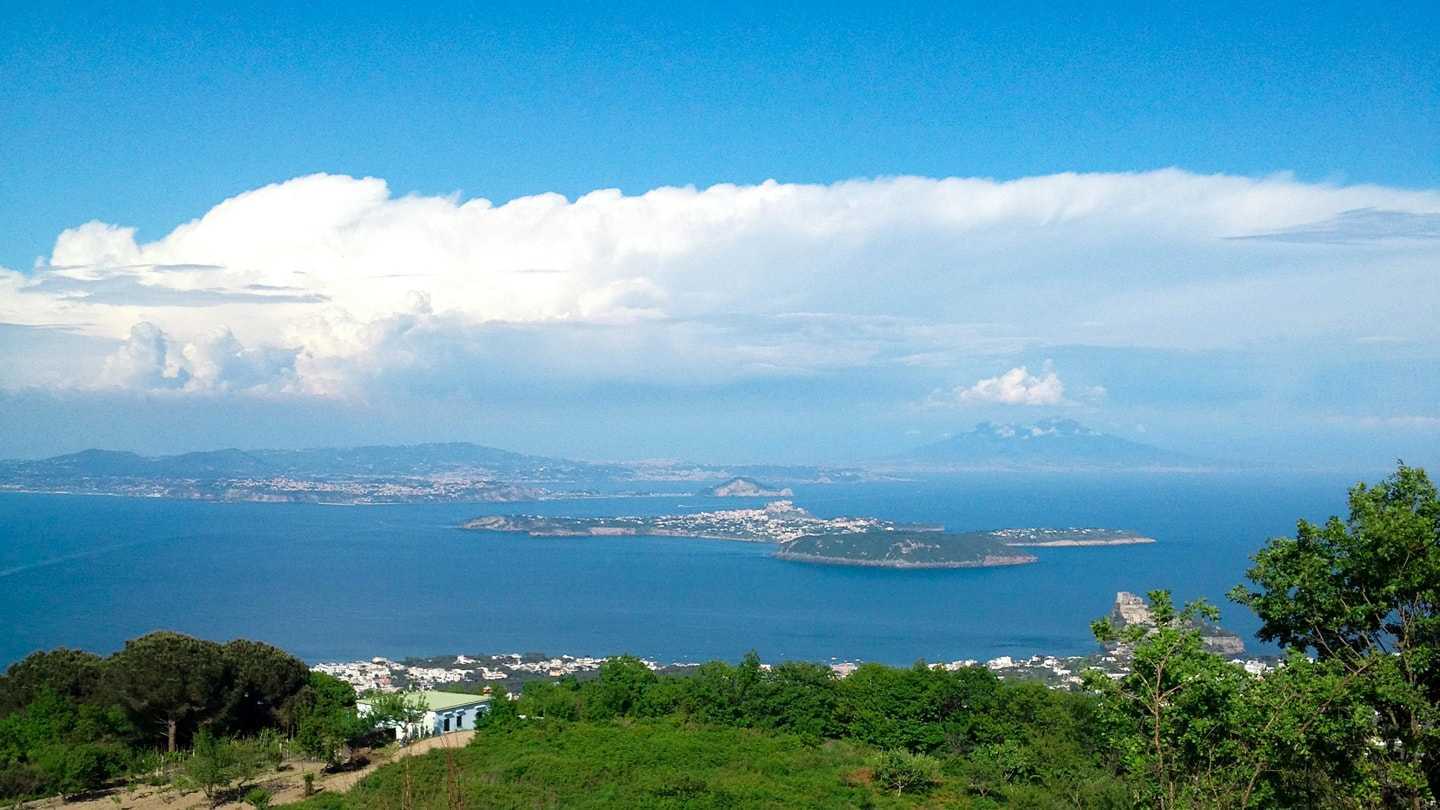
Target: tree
[262, 682]
[502, 711]
[217, 763]
[1171, 711]
[170, 679]
[79, 767]
[70, 674]
[1363, 595]
[920, 708]
[325, 719]
[553, 701]
[795, 696]
[62, 746]
[991, 768]
[1194, 730]
[395, 709]
[321, 694]
[619, 689]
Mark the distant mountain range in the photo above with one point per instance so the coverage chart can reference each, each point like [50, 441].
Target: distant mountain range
[459, 471]
[411, 460]
[1047, 444]
[415, 459]
[452, 471]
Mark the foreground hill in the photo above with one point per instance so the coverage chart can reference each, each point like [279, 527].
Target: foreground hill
[648, 763]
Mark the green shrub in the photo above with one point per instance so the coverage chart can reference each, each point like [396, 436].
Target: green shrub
[21, 780]
[904, 772]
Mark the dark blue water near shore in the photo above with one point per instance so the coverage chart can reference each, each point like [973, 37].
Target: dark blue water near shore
[331, 582]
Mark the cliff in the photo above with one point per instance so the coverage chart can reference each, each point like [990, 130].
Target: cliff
[1130, 609]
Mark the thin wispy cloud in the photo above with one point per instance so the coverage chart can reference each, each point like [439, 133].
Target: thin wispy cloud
[1358, 226]
[130, 292]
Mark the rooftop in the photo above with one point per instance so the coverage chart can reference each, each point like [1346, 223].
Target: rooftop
[441, 701]
[444, 701]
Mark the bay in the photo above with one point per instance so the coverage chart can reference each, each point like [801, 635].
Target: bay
[348, 582]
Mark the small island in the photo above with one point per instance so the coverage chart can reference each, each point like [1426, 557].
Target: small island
[743, 487]
[803, 537]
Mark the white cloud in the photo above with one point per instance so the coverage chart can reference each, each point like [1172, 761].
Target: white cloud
[1015, 387]
[144, 361]
[216, 361]
[331, 285]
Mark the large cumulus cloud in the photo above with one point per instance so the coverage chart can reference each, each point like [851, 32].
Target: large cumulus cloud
[335, 286]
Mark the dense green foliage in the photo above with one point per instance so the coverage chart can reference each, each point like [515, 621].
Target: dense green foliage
[326, 722]
[1363, 596]
[1193, 730]
[52, 744]
[996, 739]
[634, 764]
[71, 721]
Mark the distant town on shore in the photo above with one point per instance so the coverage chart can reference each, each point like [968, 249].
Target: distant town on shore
[462, 472]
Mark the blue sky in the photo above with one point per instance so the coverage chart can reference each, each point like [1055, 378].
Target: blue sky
[1283, 120]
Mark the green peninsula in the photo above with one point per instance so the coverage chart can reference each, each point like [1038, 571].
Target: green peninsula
[904, 549]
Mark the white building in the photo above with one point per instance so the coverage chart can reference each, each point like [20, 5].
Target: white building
[444, 712]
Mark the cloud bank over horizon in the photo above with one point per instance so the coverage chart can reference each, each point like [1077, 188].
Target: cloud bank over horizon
[1162, 298]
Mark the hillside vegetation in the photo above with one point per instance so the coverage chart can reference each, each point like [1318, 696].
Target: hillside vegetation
[646, 763]
[903, 549]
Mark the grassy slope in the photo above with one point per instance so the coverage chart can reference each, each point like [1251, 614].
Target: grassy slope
[641, 764]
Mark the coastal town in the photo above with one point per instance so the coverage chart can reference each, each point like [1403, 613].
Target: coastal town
[466, 672]
[481, 674]
[287, 489]
[778, 521]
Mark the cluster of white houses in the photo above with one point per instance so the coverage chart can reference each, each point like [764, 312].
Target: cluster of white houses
[444, 712]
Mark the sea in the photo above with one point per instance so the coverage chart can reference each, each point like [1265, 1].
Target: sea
[333, 583]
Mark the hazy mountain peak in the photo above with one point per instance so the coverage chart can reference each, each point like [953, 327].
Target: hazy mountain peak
[1047, 443]
[1041, 429]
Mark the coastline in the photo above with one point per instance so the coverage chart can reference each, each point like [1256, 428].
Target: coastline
[621, 532]
[990, 561]
[1125, 541]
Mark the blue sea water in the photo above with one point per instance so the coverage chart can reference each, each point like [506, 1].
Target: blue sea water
[335, 582]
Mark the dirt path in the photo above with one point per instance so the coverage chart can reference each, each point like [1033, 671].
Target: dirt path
[285, 786]
[341, 782]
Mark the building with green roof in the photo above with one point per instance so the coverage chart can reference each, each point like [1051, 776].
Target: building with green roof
[445, 712]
